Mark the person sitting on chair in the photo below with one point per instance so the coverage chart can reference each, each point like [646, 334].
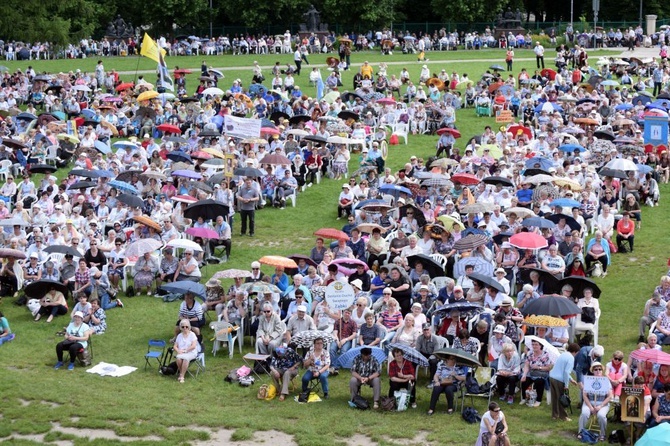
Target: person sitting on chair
[76, 338]
[366, 370]
[270, 330]
[446, 380]
[191, 311]
[283, 368]
[402, 376]
[186, 348]
[317, 363]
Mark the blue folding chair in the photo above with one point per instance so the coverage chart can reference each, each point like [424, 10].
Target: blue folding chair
[155, 350]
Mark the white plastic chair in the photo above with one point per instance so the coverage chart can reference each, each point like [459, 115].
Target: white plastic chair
[582, 327]
[401, 130]
[52, 155]
[293, 197]
[5, 165]
[439, 282]
[223, 335]
[439, 258]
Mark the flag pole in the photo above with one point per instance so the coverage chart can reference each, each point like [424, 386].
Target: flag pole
[139, 56]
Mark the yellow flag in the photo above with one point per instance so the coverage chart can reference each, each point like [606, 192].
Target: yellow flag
[151, 49]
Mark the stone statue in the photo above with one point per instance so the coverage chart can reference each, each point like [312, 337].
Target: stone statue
[518, 15]
[312, 18]
[120, 25]
[111, 30]
[129, 31]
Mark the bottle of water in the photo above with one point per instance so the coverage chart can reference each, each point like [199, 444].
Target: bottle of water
[532, 396]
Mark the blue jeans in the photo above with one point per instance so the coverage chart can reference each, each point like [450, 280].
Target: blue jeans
[307, 377]
[334, 356]
[106, 302]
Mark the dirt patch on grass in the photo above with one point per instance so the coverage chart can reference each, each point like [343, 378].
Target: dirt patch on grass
[52, 404]
[105, 434]
[359, 440]
[364, 440]
[222, 436]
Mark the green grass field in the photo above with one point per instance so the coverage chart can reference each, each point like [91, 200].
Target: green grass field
[146, 407]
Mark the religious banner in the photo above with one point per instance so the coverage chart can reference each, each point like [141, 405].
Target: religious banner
[632, 404]
[241, 127]
[340, 295]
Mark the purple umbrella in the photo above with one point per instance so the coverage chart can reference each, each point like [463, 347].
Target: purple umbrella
[187, 174]
[348, 266]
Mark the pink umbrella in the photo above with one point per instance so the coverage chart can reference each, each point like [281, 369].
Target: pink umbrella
[348, 266]
[202, 232]
[528, 240]
[270, 131]
[386, 101]
[651, 355]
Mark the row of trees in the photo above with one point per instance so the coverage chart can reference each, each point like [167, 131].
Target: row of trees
[65, 21]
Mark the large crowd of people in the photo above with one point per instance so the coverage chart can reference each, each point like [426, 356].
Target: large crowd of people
[457, 249]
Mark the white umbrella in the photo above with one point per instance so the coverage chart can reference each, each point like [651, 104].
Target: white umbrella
[297, 132]
[538, 179]
[212, 91]
[81, 88]
[621, 164]
[520, 212]
[547, 347]
[182, 243]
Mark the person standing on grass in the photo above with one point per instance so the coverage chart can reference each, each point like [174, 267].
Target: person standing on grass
[247, 196]
[539, 55]
[509, 58]
[560, 379]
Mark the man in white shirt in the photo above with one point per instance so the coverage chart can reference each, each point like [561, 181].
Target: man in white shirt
[539, 54]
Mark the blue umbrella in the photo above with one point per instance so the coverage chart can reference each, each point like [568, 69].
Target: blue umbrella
[548, 107]
[88, 114]
[265, 122]
[102, 147]
[185, 286]
[565, 203]
[585, 101]
[537, 222]
[178, 155]
[255, 89]
[506, 90]
[395, 190]
[26, 116]
[623, 107]
[410, 354]
[106, 174]
[123, 187]
[60, 115]
[124, 144]
[644, 169]
[637, 100]
[346, 360]
[661, 104]
[544, 163]
[609, 83]
[480, 265]
[571, 148]
[656, 436]
[371, 202]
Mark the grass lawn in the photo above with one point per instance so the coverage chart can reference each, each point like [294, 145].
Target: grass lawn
[146, 407]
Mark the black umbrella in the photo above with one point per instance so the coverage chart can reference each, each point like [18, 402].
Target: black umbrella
[307, 259]
[202, 186]
[498, 180]
[418, 215]
[13, 143]
[55, 88]
[131, 200]
[433, 268]
[179, 156]
[462, 358]
[578, 284]
[207, 209]
[487, 281]
[348, 95]
[209, 134]
[39, 288]
[534, 171]
[187, 100]
[569, 221]
[498, 238]
[26, 116]
[548, 280]
[82, 185]
[248, 172]
[297, 119]
[41, 168]
[607, 172]
[216, 179]
[127, 175]
[348, 114]
[45, 118]
[462, 305]
[274, 117]
[604, 134]
[552, 305]
[147, 112]
[315, 138]
[62, 249]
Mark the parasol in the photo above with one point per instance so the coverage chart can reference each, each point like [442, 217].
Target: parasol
[331, 233]
[552, 305]
[231, 274]
[278, 261]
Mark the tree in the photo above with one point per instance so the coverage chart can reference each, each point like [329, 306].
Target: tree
[467, 11]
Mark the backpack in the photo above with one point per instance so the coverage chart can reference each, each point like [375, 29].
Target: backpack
[266, 392]
[360, 403]
[470, 415]
[130, 291]
[387, 403]
[588, 436]
[169, 370]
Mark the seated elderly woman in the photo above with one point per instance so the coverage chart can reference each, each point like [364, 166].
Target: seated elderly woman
[407, 333]
[535, 372]
[526, 296]
[188, 268]
[186, 347]
[451, 325]
[76, 338]
[235, 310]
[146, 268]
[317, 362]
[446, 380]
[191, 311]
[509, 369]
[391, 319]
[660, 411]
[596, 403]
[598, 250]
[54, 304]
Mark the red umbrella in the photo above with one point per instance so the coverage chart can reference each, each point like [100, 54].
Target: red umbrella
[465, 178]
[514, 129]
[79, 121]
[453, 132]
[549, 73]
[332, 233]
[169, 128]
[183, 71]
[270, 131]
[125, 86]
[528, 240]
[202, 232]
[200, 155]
[651, 355]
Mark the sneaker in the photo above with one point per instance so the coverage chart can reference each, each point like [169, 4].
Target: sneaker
[58, 365]
[430, 386]
[70, 366]
[510, 400]
[149, 293]
[536, 404]
[503, 397]
[522, 402]
[376, 405]
[119, 303]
